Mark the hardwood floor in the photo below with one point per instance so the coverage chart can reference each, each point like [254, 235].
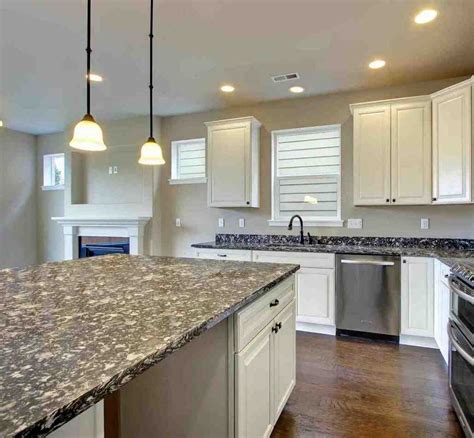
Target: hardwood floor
[356, 388]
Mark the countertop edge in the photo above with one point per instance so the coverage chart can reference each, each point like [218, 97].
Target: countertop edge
[61, 416]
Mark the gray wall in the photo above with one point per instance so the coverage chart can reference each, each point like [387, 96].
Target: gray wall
[17, 199]
[199, 223]
[50, 203]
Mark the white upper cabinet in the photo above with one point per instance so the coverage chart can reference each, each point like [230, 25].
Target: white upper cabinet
[392, 152]
[372, 154]
[452, 131]
[411, 152]
[233, 162]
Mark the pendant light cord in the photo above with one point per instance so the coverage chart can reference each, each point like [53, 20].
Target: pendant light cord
[88, 50]
[151, 68]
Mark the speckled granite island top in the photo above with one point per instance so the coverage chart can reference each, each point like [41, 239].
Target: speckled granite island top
[73, 332]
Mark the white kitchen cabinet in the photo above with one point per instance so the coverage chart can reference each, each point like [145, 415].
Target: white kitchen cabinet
[372, 154]
[417, 299]
[392, 152]
[233, 162]
[452, 148]
[411, 152]
[442, 306]
[315, 287]
[223, 254]
[284, 359]
[265, 372]
[254, 388]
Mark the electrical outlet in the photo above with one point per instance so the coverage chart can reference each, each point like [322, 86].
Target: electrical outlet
[242, 222]
[220, 222]
[111, 170]
[178, 222]
[425, 223]
[115, 169]
[354, 223]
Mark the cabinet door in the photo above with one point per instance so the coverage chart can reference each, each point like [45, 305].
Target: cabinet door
[285, 358]
[443, 322]
[372, 155]
[417, 297]
[254, 388]
[316, 295]
[411, 152]
[229, 161]
[452, 146]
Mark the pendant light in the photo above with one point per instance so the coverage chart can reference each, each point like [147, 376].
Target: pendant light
[151, 153]
[87, 133]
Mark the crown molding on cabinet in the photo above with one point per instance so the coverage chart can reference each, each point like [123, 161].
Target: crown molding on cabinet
[454, 87]
[255, 123]
[409, 99]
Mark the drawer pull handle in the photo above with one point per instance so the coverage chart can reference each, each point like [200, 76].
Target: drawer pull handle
[274, 303]
[275, 328]
[278, 325]
[221, 255]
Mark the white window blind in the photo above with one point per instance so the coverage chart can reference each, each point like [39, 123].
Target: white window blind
[188, 161]
[306, 173]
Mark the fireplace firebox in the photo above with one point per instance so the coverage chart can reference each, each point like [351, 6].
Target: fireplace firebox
[98, 246]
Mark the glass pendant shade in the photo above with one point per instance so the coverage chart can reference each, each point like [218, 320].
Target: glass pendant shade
[88, 135]
[151, 153]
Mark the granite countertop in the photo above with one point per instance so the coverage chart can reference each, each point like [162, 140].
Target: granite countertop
[456, 253]
[75, 331]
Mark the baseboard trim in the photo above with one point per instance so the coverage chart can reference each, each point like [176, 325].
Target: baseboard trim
[418, 341]
[316, 328]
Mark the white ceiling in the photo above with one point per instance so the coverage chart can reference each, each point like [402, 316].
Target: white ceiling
[201, 44]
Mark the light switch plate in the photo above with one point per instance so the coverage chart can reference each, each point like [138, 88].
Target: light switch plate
[242, 222]
[425, 223]
[220, 222]
[354, 223]
[111, 171]
[115, 169]
[178, 222]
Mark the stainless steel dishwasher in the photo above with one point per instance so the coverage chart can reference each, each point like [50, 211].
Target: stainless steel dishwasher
[368, 296]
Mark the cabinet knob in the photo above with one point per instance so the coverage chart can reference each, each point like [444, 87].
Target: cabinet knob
[434, 199]
[387, 200]
[248, 202]
[278, 325]
[275, 328]
[394, 200]
[404, 261]
[274, 303]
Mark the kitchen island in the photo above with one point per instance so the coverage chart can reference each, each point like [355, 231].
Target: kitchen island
[74, 332]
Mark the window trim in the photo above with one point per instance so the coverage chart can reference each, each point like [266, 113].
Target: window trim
[47, 160]
[174, 162]
[318, 221]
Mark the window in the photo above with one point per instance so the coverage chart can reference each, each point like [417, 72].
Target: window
[188, 161]
[53, 172]
[306, 175]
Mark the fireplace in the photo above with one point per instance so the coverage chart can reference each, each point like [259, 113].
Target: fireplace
[92, 246]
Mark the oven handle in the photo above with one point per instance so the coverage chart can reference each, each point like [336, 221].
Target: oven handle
[457, 291]
[366, 262]
[459, 349]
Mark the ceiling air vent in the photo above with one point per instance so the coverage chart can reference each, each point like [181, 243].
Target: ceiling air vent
[285, 77]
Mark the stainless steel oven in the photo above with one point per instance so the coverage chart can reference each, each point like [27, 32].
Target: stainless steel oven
[461, 354]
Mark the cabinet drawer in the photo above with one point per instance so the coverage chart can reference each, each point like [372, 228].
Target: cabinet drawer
[249, 321]
[444, 271]
[304, 259]
[224, 254]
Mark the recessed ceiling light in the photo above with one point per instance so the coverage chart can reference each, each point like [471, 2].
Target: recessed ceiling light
[95, 78]
[227, 88]
[296, 89]
[377, 63]
[425, 16]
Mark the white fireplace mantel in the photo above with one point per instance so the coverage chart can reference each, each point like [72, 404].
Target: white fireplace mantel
[133, 228]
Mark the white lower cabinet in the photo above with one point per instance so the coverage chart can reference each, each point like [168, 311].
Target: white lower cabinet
[315, 287]
[254, 386]
[417, 301]
[442, 304]
[265, 371]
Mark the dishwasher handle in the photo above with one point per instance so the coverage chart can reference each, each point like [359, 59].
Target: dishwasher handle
[366, 262]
